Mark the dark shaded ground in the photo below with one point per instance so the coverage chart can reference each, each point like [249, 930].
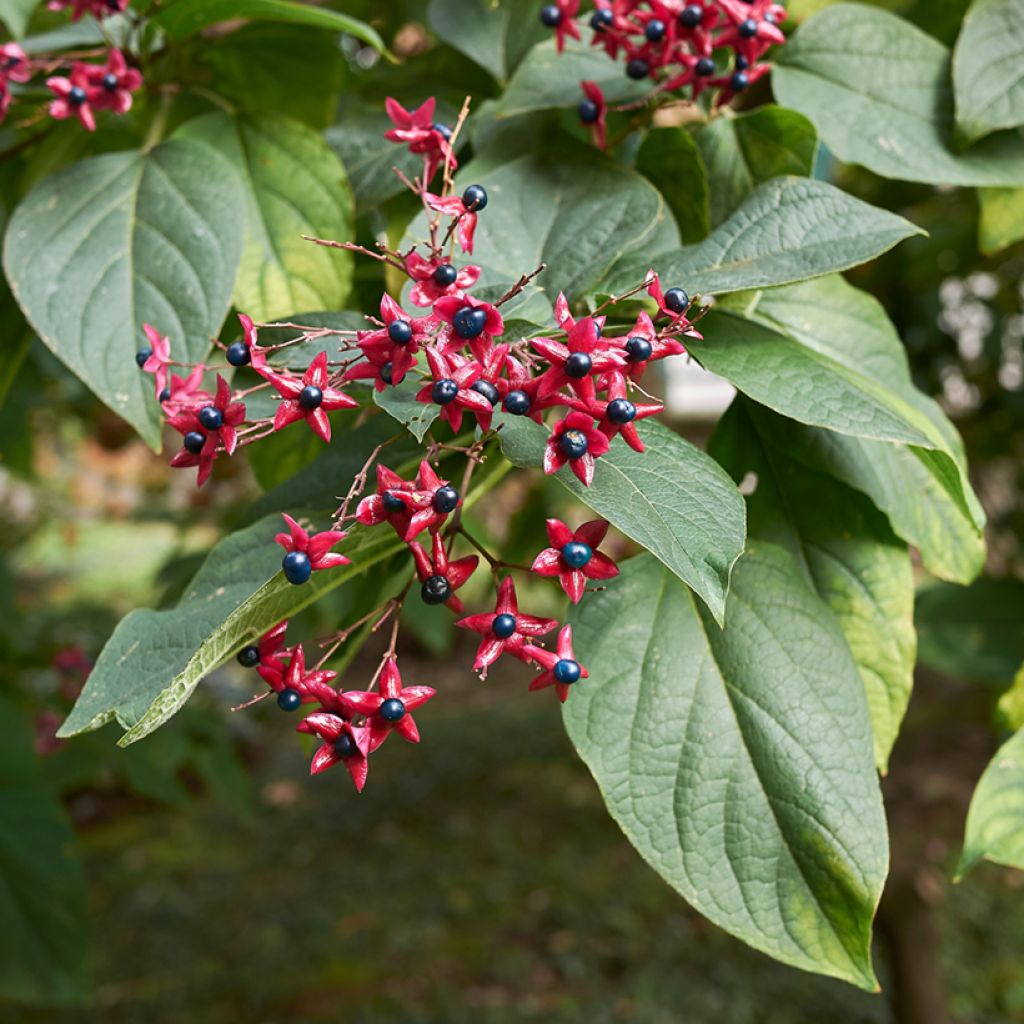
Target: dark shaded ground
[480, 880]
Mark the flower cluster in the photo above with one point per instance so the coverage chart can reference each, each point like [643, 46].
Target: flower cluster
[582, 375]
[673, 44]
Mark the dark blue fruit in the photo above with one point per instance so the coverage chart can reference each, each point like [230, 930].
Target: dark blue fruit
[297, 567]
[600, 20]
[345, 747]
[574, 444]
[621, 410]
[638, 350]
[211, 417]
[503, 626]
[677, 300]
[193, 442]
[691, 16]
[445, 500]
[578, 365]
[475, 197]
[655, 30]
[142, 355]
[238, 354]
[436, 590]
[487, 389]
[248, 657]
[392, 710]
[445, 275]
[310, 397]
[77, 96]
[289, 700]
[705, 66]
[566, 671]
[400, 332]
[638, 68]
[444, 391]
[589, 111]
[739, 81]
[393, 503]
[551, 16]
[748, 28]
[469, 322]
[517, 403]
[577, 554]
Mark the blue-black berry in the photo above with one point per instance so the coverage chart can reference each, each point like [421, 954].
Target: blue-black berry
[400, 332]
[503, 626]
[445, 275]
[517, 403]
[577, 554]
[578, 365]
[487, 389]
[392, 710]
[164, 395]
[345, 747]
[566, 671]
[475, 197]
[551, 16]
[589, 111]
[741, 62]
[677, 300]
[469, 322]
[704, 67]
[297, 567]
[238, 354]
[310, 397]
[211, 417]
[436, 590]
[638, 68]
[142, 355]
[621, 410]
[442, 129]
[739, 81]
[289, 699]
[444, 391]
[393, 503]
[385, 373]
[638, 350]
[600, 20]
[574, 444]
[445, 500]
[193, 442]
[77, 96]
[110, 82]
[748, 28]
[655, 30]
[248, 657]
[691, 16]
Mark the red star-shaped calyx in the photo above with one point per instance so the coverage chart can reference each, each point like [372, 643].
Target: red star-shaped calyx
[316, 547]
[342, 742]
[561, 669]
[435, 570]
[573, 556]
[309, 399]
[390, 709]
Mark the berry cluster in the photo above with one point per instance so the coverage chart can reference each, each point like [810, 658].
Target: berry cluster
[582, 375]
[673, 43]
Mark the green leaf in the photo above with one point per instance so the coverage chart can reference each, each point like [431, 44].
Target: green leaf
[878, 90]
[15, 15]
[547, 79]
[1001, 221]
[187, 17]
[987, 62]
[746, 150]
[568, 207]
[43, 942]
[739, 761]
[400, 404]
[294, 186]
[669, 159]
[974, 631]
[1011, 703]
[847, 552]
[493, 33]
[123, 239]
[672, 499]
[995, 819]
[788, 229]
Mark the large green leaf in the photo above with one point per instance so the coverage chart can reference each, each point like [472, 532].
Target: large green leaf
[43, 942]
[15, 15]
[746, 150]
[294, 185]
[187, 17]
[739, 761]
[672, 499]
[400, 403]
[987, 63]
[494, 33]
[848, 553]
[668, 157]
[878, 90]
[788, 229]
[995, 819]
[974, 632]
[568, 207]
[1001, 220]
[97, 250]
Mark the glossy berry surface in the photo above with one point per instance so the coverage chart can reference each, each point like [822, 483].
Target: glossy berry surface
[193, 442]
[393, 503]
[566, 671]
[577, 554]
[475, 197]
[392, 710]
[142, 355]
[211, 417]
[517, 403]
[551, 16]
[445, 275]
[248, 657]
[739, 81]
[345, 746]
[400, 332]
[446, 499]
[503, 626]
[487, 389]
[110, 82]
[638, 350]
[578, 365]
[385, 373]
[600, 20]
[621, 410]
[164, 395]
[443, 130]
[77, 96]
[677, 300]
[289, 700]
[638, 68]
[574, 444]
[748, 28]
[655, 30]
[310, 397]
[436, 590]
[691, 16]
[705, 66]
[238, 354]
[469, 322]
[741, 62]
[589, 111]
[444, 391]
[297, 567]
